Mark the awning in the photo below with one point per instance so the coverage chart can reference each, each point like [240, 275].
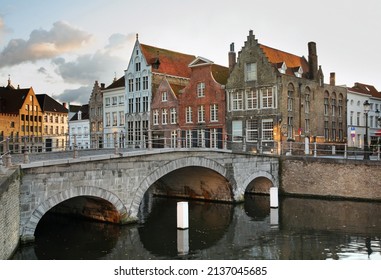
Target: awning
[377, 132]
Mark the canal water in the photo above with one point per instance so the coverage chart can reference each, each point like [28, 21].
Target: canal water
[300, 229]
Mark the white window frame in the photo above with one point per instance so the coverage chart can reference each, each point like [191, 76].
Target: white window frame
[201, 89]
[214, 113]
[164, 116]
[237, 100]
[250, 72]
[201, 114]
[237, 131]
[188, 115]
[266, 129]
[251, 99]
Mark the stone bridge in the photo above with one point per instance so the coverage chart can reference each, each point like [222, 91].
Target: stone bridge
[111, 187]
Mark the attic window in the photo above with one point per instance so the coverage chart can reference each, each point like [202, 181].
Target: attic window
[283, 68]
[299, 72]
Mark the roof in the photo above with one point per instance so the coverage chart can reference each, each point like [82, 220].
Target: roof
[117, 84]
[48, 104]
[11, 100]
[85, 113]
[365, 89]
[277, 57]
[176, 88]
[167, 61]
[220, 74]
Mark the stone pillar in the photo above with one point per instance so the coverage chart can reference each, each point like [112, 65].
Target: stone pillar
[178, 138]
[116, 151]
[149, 139]
[75, 151]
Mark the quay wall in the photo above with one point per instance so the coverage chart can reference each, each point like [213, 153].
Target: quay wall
[9, 212]
[349, 179]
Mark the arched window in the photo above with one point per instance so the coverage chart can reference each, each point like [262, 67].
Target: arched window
[326, 103]
[290, 97]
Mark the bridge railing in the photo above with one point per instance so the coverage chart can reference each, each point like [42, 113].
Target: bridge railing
[76, 144]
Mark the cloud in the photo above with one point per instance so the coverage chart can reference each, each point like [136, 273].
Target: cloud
[101, 65]
[42, 44]
[77, 96]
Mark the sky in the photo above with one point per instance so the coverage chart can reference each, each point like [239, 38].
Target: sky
[61, 48]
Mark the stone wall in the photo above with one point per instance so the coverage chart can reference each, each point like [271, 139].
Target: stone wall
[330, 178]
[9, 213]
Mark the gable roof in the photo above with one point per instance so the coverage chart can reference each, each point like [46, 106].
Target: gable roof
[85, 113]
[167, 62]
[117, 84]
[365, 89]
[48, 104]
[277, 57]
[11, 100]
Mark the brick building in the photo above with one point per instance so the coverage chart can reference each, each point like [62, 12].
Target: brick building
[165, 114]
[202, 105]
[21, 118]
[274, 96]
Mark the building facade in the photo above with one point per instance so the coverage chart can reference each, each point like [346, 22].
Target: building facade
[79, 129]
[274, 97]
[202, 105]
[21, 119]
[96, 116]
[165, 115]
[357, 95]
[55, 123]
[146, 69]
[114, 114]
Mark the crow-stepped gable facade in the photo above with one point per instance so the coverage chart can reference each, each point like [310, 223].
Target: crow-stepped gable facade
[274, 96]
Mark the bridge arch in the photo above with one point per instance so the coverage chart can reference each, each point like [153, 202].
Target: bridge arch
[260, 174]
[48, 204]
[173, 166]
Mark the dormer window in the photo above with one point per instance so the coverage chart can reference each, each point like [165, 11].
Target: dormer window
[79, 115]
[298, 71]
[283, 67]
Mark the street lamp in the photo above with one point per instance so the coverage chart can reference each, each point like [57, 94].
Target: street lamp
[366, 146]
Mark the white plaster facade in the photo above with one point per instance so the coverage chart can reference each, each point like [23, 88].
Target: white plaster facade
[114, 117]
[79, 131]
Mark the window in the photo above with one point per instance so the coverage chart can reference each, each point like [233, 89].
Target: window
[251, 99]
[121, 100]
[340, 106]
[307, 125]
[145, 103]
[188, 138]
[164, 116]
[351, 118]
[237, 131]
[333, 105]
[267, 130]
[12, 125]
[358, 118]
[173, 138]
[164, 96]
[137, 66]
[237, 103]
[326, 103]
[137, 84]
[201, 138]
[251, 72]
[307, 102]
[214, 113]
[107, 101]
[108, 120]
[290, 127]
[114, 118]
[173, 116]
[267, 98]
[214, 138]
[130, 85]
[252, 130]
[188, 114]
[114, 100]
[137, 105]
[201, 89]
[290, 98]
[326, 130]
[130, 105]
[201, 114]
[145, 82]
[130, 132]
[156, 117]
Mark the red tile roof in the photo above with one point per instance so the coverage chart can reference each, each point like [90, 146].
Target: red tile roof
[169, 62]
[277, 57]
[365, 89]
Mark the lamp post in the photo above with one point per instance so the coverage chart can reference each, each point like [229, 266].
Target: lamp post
[366, 143]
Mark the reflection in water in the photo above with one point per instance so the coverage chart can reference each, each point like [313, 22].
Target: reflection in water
[308, 229]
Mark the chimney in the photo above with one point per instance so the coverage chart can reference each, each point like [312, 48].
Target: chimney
[232, 57]
[102, 85]
[64, 104]
[332, 79]
[313, 60]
